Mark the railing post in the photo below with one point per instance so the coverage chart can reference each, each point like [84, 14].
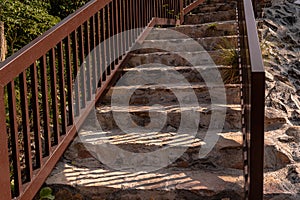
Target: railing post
[181, 14]
[5, 192]
[254, 4]
[257, 135]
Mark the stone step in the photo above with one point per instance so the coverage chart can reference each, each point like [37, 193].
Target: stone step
[159, 117]
[189, 44]
[71, 182]
[216, 17]
[84, 169]
[219, 1]
[173, 93]
[215, 7]
[185, 147]
[225, 28]
[196, 58]
[169, 74]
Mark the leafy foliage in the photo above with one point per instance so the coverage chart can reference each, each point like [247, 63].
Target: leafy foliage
[46, 193]
[24, 21]
[63, 8]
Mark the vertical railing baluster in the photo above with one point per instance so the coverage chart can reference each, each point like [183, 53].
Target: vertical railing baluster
[111, 36]
[54, 97]
[134, 25]
[45, 100]
[87, 75]
[181, 15]
[69, 81]
[137, 16]
[125, 37]
[36, 115]
[158, 13]
[108, 40]
[82, 70]
[129, 2]
[75, 72]
[117, 31]
[93, 57]
[143, 13]
[150, 10]
[25, 125]
[62, 94]
[103, 47]
[14, 138]
[4, 158]
[98, 50]
[127, 19]
[120, 28]
[122, 6]
[146, 12]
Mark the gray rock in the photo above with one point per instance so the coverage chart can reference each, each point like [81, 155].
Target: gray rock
[275, 158]
[294, 131]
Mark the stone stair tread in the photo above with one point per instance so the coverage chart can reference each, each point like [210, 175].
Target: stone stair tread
[174, 86]
[177, 68]
[147, 74]
[179, 40]
[202, 183]
[218, 1]
[190, 44]
[213, 7]
[173, 92]
[177, 52]
[224, 24]
[159, 139]
[167, 108]
[191, 115]
[173, 58]
[140, 140]
[221, 28]
[220, 12]
[213, 16]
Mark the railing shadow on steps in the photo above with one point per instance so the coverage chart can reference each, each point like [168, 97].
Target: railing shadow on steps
[41, 103]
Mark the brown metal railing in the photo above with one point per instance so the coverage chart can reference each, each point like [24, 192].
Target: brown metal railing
[40, 99]
[42, 103]
[253, 98]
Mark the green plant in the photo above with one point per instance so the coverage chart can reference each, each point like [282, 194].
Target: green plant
[265, 46]
[229, 56]
[63, 8]
[24, 21]
[212, 26]
[171, 11]
[46, 193]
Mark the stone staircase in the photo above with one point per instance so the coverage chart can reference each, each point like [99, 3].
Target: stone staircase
[151, 134]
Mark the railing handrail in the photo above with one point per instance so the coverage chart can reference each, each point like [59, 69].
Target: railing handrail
[253, 99]
[14, 65]
[253, 41]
